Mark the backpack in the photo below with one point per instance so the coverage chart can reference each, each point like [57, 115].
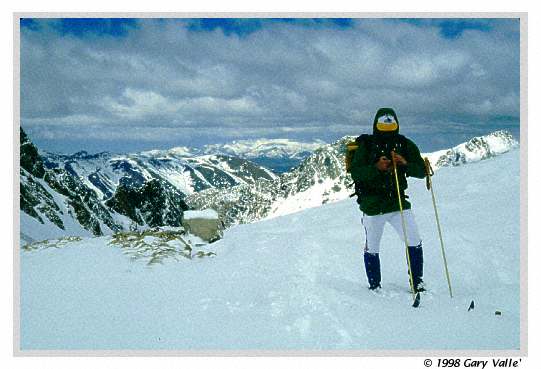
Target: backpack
[352, 146]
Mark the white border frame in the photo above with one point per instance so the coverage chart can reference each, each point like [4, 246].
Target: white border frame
[522, 352]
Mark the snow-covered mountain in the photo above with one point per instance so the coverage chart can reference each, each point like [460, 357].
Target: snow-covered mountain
[55, 203]
[318, 179]
[321, 178]
[294, 282]
[280, 155]
[104, 172]
[84, 194]
[103, 193]
[478, 148]
[277, 148]
[270, 148]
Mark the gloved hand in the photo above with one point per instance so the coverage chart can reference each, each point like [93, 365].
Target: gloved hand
[398, 159]
[383, 164]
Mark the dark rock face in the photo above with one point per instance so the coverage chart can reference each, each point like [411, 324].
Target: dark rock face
[54, 193]
[153, 204]
[30, 159]
[82, 202]
[37, 202]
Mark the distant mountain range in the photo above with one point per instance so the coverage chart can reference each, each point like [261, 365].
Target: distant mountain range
[104, 172]
[278, 155]
[84, 194]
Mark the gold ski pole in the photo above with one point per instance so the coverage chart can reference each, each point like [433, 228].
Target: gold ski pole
[403, 226]
[429, 174]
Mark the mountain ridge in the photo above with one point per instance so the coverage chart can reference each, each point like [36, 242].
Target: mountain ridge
[270, 153]
[107, 192]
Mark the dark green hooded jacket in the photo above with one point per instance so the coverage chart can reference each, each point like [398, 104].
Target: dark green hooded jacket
[379, 195]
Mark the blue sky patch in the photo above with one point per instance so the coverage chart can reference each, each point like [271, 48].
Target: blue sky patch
[452, 27]
[240, 27]
[29, 23]
[82, 27]
[246, 26]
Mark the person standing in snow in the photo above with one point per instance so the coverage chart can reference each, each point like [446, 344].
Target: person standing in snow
[375, 186]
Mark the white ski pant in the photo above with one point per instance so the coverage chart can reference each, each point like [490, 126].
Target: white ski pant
[373, 227]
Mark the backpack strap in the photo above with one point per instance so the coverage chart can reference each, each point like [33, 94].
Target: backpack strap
[364, 139]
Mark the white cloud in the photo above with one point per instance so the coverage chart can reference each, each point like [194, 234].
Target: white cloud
[165, 79]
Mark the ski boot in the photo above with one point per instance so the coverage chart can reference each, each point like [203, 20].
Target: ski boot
[416, 264]
[373, 273]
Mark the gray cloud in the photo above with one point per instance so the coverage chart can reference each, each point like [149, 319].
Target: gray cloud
[161, 82]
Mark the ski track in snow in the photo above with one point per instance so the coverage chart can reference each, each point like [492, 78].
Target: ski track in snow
[296, 282]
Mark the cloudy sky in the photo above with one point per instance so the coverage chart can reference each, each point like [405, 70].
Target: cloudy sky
[126, 85]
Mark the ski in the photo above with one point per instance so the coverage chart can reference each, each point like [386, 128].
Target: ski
[417, 300]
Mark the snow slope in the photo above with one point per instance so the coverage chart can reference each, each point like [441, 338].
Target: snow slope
[296, 282]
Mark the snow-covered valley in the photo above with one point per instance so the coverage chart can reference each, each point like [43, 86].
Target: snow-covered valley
[296, 282]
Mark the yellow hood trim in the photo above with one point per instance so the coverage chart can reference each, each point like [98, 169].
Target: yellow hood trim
[387, 127]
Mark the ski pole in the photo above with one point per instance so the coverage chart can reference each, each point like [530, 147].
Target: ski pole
[429, 174]
[403, 226]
